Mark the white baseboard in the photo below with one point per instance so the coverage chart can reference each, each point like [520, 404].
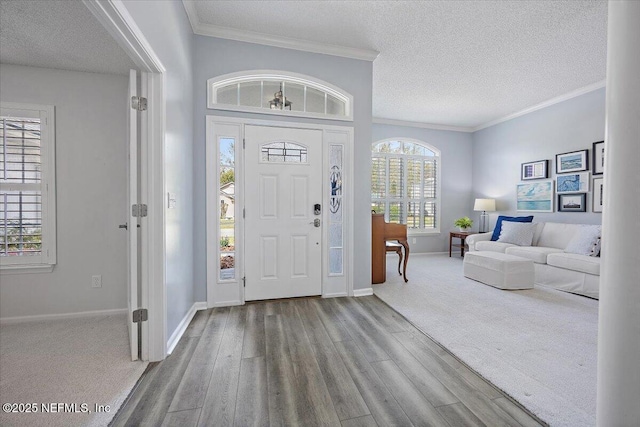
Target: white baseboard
[177, 334]
[362, 292]
[46, 317]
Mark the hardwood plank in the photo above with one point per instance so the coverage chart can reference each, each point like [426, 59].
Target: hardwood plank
[390, 319]
[252, 407]
[366, 421]
[469, 375]
[220, 402]
[254, 345]
[482, 407]
[372, 351]
[332, 324]
[194, 383]
[182, 418]
[280, 377]
[314, 403]
[198, 323]
[383, 406]
[347, 401]
[425, 381]
[139, 391]
[271, 308]
[519, 414]
[459, 415]
[414, 404]
[152, 406]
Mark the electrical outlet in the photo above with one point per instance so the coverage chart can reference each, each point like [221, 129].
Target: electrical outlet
[96, 281]
[413, 240]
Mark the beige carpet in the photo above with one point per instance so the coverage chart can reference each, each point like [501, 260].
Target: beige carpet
[538, 345]
[70, 361]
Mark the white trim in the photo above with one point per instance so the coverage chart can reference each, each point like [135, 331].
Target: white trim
[362, 292]
[545, 104]
[393, 122]
[227, 303]
[336, 295]
[61, 316]
[115, 18]
[184, 323]
[211, 30]
[26, 269]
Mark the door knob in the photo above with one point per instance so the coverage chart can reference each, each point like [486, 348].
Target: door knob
[125, 226]
[316, 222]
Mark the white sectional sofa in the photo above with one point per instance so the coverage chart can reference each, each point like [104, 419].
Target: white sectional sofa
[569, 272]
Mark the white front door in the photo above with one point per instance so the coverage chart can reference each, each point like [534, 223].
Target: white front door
[283, 231]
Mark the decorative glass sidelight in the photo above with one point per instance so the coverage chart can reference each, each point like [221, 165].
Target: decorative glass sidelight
[226, 208]
[336, 240]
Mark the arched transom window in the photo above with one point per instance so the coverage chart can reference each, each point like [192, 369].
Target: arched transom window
[405, 183]
[274, 92]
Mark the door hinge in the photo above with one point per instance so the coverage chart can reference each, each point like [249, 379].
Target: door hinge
[244, 282]
[243, 212]
[140, 315]
[244, 143]
[139, 103]
[139, 210]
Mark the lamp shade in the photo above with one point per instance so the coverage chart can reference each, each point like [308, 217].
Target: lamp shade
[488, 205]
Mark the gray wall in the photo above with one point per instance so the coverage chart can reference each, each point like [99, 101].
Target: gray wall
[499, 150]
[215, 57]
[91, 153]
[456, 186]
[166, 27]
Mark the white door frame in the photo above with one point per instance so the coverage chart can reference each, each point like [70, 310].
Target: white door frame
[115, 18]
[231, 292]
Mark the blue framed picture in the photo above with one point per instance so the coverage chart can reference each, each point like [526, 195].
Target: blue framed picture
[574, 161]
[572, 183]
[535, 196]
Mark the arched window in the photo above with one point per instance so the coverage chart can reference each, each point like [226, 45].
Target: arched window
[405, 183]
[277, 92]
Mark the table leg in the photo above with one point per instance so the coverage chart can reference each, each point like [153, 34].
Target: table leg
[399, 252]
[462, 239]
[450, 243]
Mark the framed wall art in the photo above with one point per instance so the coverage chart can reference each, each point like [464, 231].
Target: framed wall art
[572, 202]
[535, 197]
[534, 170]
[572, 183]
[597, 197]
[574, 161]
[598, 158]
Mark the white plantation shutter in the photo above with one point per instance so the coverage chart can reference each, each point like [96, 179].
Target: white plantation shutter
[27, 230]
[404, 183]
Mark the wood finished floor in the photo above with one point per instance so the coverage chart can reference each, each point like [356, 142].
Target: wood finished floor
[310, 362]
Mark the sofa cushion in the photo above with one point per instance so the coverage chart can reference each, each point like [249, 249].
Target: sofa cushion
[536, 254]
[584, 240]
[582, 263]
[492, 246]
[518, 233]
[498, 227]
[557, 235]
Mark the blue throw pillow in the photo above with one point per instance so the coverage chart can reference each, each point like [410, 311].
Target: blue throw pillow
[498, 229]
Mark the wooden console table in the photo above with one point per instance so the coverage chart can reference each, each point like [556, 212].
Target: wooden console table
[462, 235]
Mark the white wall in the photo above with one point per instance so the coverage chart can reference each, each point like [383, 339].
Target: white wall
[498, 151]
[167, 29]
[91, 147]
[456, 186]
[214, 57]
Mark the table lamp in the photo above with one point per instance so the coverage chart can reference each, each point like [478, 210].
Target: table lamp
[484, 205]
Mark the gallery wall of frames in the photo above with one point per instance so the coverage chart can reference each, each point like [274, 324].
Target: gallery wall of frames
[578, 174]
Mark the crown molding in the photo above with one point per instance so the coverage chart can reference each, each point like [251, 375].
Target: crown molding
[210, 30]
[392, 122]
[545, 104]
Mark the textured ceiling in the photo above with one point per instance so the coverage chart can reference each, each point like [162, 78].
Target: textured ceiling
[58, 34]
[456, 63]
